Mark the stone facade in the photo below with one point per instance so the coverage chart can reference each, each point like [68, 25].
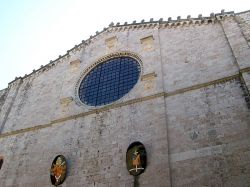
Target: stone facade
[190, 109]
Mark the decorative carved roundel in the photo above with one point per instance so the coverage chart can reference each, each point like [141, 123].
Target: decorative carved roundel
[58, 170]
[136, 158]
[109, 80]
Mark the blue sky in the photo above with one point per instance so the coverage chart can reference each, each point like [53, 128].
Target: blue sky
[34, 32]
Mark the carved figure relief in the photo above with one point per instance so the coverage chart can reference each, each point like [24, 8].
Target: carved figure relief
[58, 170]
[136, 158]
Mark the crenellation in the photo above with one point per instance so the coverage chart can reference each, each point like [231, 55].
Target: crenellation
[178, 22]
[170, 23]
[111, 24]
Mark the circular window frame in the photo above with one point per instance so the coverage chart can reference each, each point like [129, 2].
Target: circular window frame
[100, 61]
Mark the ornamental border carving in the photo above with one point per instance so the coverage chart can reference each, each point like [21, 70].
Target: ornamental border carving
[99, 61]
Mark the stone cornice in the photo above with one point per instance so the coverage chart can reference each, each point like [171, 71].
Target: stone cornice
[244, 70]
[171, 23]
[132, 26]
[199, 86]
[118, 105]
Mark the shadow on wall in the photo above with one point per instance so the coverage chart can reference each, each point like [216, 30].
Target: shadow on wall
[1, 162]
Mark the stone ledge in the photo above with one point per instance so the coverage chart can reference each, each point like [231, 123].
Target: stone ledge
[202, 152]
[148, 76]
[202, 85]
[117, 105]
[244, 70]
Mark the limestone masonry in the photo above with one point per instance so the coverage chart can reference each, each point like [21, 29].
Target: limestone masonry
[190, 108]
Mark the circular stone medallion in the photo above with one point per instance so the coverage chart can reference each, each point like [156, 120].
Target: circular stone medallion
[58, 170]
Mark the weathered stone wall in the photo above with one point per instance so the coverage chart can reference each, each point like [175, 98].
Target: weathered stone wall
[208, 129]
[44, 99]
[243, 20]
[190, 109]
[95, 147]
[3, 95]
[36, 100]
[201, 54]
[8, 103]
[208, 132]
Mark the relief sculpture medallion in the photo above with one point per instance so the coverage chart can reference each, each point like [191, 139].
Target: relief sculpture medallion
[58, 170]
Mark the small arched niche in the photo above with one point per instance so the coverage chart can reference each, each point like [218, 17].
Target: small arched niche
[136, 158]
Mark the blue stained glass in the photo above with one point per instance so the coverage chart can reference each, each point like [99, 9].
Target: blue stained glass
[109, 81]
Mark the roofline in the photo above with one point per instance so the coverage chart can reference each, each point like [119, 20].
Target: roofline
[242, 12]
[134, 23]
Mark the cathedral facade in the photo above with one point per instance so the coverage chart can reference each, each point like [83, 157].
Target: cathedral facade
[156, 103]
